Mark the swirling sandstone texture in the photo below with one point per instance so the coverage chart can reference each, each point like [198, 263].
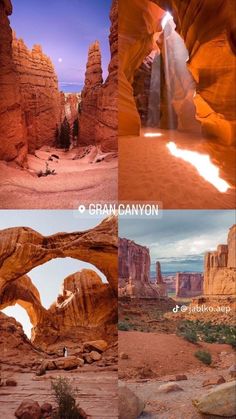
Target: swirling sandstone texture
[220, 268]
[87, 306]
[98, 120]
[134, 272]
[207, 28]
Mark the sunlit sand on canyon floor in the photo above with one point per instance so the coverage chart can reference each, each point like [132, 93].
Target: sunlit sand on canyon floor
[148, 171]
[77, 176]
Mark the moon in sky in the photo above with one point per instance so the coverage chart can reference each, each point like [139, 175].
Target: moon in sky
[60, 60]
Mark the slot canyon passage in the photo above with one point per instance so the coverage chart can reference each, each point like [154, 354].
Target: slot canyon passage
[158, 367]
[83, 318]
[56, 149]
[176, 104]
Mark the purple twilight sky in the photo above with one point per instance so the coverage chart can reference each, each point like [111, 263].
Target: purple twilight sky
[65, 29]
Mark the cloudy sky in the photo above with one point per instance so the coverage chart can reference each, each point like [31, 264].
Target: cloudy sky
[48, 277]
[179, 239]
[65, 29]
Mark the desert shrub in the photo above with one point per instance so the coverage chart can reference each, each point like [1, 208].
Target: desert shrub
[124, 326]
[65, 397]
[190, 336]
[47, 171]
[209, 332]
[204, 356]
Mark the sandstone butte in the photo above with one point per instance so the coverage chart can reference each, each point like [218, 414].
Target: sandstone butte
[87, 307]
[134, 272]
[31, 105]
[207, 30]
[189, 284]
[219, 284]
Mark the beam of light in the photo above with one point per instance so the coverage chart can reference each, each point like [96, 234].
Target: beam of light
[203, 164]
[152, 134]
[60, 60]
[165, 19]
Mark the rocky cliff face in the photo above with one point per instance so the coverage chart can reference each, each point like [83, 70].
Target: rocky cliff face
[134, 272]
[39, 95]
[211, 51]
[87, 309]
[13, 145]
[189, 284]
[220, 268]
[98, 120]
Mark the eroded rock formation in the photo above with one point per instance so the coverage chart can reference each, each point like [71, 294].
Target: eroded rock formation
[211, 61]
[39, 94]
[98, 120]
[220, 268]
[87, 307]
[12, 337]
[22, 249]
[90, 93]
[189, 284]
[13, 145]
[134, 272]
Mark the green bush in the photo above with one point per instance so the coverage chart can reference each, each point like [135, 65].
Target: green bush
[124, 326]
[190, 335]
[204, 356]
[65, 397]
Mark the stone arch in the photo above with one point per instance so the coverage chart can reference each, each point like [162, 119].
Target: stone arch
[86, 304]
[22, 249]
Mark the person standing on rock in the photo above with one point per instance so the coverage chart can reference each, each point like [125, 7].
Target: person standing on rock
[65, 352]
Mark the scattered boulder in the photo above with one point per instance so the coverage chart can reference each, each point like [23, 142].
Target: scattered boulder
[63, 363]
[11, 383]
[46, 410]
[88, 359]
[28, 409]
[130, 406]
[96, 356]
[169, 387]
[220, 401]
[96, 345]
[213, 381]
[123, 355]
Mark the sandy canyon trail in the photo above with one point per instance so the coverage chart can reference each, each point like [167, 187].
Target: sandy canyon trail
[167, 355]
[82, 180]
[148, 172]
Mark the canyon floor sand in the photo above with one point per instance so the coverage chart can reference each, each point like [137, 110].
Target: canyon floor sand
[97, 390]
[78, 179]
[148, 171]
[166, 355]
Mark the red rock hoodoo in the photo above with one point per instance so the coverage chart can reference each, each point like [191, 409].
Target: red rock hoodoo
[134, 272]
[40, 98]
[98, 120]
[13, 145]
